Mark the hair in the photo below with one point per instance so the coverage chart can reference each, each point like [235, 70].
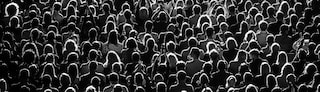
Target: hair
[202, 18]
[207, 89]
[70, 89]
[285, 67]
[281, 53]
[14, 19]
[111, 54]
[263, 25]
[161, 85]
[253, 36]
[273, 46]
[63, 78]
[230, 41]
[45, 70]
[310, 68]
[48, 48]
[73, 67]
[119, 64]
[229, 79]
[271, 78]
[3, 84]
[251, 88]
[113, 37]
[263, 66]
[181, 75]
[10, 6]
[90, 89]
[131, 43]
[238, 55]
[69, 41]
[196, 9]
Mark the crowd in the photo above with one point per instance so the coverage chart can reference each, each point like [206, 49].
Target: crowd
[160, 46]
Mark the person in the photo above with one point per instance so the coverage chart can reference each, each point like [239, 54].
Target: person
[195, 65]
[181, 83]
[221, 74]
[85, 78]
[159, 45]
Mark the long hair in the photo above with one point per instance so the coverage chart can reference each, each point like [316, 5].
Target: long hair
[113, 37]
[115, 58]
[282, 54]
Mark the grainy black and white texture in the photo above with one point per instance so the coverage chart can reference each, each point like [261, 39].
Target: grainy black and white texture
[159, 45]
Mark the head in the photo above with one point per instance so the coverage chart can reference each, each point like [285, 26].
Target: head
[231, 81]
[161, 87]
[171, 46]
[310, 68]
[192, 42]
[221, 65]
[113, 37]
[275, 47]
[181, 76]
[265, 68]
[254, 53]
[73, 70]
[11, 9]
[91, 89]
[231, 43]
[282, 58]
[131, 43]
[207, 67]
[135, 57]
[14, 21]
[287, 69]
[251, 88]
[65, 79]
[270, 39]
[93, 66]
[271, 81]
[196, 9]
[263, 25]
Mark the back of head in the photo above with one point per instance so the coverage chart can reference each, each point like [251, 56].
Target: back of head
[251, 88]
[221, 65]
[181, 75]
[70, 89]
[93, 66]
[276, 89]
[135, 57]
[131, 43]
[161, 87]
[231, 43]
[90, 89]
[302, 88]
[192, 42]
[3, 85]
[139, 89]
